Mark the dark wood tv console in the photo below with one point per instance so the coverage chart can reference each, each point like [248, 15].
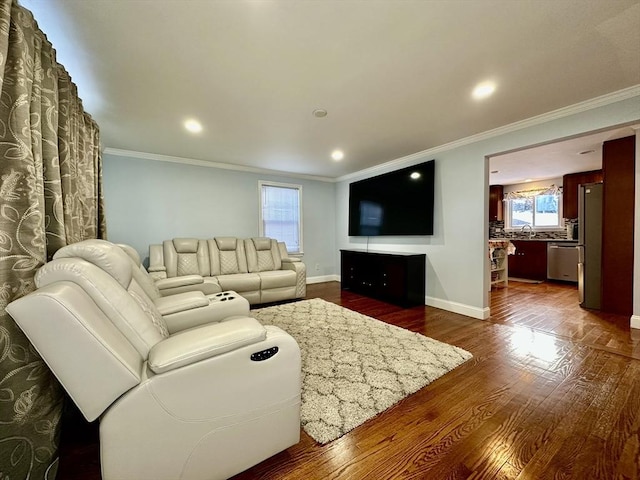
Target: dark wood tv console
[395, 277]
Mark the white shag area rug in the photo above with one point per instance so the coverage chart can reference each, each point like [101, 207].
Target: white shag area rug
[354, 366]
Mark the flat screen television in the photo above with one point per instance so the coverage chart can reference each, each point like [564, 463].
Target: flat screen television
[395, 203]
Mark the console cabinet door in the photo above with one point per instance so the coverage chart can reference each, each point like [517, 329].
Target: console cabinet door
[392, 281]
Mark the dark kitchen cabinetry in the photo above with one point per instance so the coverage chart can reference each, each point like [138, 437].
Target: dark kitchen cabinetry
[618, 164]
[395, 277]
[529, 260]
[496, 193]
[570, 185]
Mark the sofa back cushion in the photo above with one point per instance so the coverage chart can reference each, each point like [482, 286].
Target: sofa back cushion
[263, 254]
[186, 256]
[124, 309]
[227, 256]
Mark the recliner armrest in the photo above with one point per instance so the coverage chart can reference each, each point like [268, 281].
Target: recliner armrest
[182, 281]
[204, 342]
[290, 260]
[181, 302]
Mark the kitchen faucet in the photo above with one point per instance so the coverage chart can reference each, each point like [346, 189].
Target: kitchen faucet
[531, 232]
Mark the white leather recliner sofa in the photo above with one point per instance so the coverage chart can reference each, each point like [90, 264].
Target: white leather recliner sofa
[205, 402]
[256, 268]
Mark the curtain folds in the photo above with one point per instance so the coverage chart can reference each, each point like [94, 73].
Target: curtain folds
[50, 196]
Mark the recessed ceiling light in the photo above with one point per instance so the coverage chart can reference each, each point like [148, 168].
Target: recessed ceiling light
[415, 175]
[483, 90]
[337, 155]
[193, 126]
[319, 112]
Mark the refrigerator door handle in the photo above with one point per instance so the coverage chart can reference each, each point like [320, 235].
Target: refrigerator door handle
[581, 283]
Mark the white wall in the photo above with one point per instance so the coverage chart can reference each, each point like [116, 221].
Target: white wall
[457, 253]
[148, 201]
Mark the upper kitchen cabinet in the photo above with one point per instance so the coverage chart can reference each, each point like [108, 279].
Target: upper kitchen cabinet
[496, 193]
[570, 185]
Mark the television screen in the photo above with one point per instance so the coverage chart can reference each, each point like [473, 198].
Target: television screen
[395, 203]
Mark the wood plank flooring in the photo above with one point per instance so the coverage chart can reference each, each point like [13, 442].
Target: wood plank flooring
[553, 392]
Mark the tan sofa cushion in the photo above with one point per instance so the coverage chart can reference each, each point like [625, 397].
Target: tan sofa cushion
[186, 256]
[240, 282]
[227, 256]
[277, 279]
[263, 254]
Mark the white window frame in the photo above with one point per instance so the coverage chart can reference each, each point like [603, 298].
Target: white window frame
[509, 228]
[263, 183]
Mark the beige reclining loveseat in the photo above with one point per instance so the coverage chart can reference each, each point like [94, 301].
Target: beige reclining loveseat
[256, 268]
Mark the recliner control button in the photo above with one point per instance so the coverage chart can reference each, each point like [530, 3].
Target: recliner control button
[264, 354]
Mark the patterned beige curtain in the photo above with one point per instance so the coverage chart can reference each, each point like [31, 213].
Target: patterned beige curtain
[50, 196]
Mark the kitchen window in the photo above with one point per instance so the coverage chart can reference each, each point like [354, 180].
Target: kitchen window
[281, 214]
[540, 209]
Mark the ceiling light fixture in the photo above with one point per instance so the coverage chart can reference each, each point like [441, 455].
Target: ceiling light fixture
[483, 90]
[319, 113]
[193, 126]
[415, 175]
[337, 155]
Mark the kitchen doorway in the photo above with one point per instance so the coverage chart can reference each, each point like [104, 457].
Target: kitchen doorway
[526, 188]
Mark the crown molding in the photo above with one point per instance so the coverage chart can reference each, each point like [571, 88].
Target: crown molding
[587, 105]
[204, 163]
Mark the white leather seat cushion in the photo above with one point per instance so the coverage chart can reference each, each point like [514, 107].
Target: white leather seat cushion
[277, 279]
[240, 282]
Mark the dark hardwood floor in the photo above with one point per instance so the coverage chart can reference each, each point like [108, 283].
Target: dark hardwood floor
[553, 392]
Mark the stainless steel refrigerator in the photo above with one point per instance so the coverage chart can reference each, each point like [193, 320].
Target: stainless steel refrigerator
[590, 244]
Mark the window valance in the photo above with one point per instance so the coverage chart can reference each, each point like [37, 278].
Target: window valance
[550, 190]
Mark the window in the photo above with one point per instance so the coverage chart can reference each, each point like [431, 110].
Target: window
[541, 209]
[281, 214]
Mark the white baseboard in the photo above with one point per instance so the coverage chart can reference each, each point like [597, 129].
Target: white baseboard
[461, 308]
[455, 307]
[635, 321]
[323, 278]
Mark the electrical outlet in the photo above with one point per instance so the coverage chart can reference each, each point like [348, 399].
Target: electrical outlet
[317, 267]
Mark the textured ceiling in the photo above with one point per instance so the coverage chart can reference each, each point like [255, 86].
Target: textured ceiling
[394, 76]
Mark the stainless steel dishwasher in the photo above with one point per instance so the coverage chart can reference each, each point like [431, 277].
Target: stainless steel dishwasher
[562, 261]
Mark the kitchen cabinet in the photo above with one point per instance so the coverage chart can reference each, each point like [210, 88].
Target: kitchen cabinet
[529, 260]
[496, 194]
[570, 185]
[396, 277]
[618, 198]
